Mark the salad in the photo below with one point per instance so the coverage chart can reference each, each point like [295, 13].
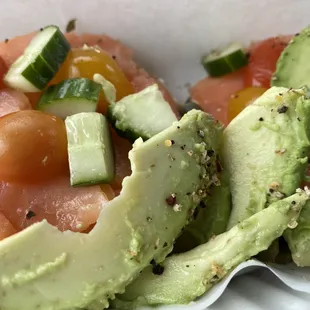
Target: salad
[111, 194]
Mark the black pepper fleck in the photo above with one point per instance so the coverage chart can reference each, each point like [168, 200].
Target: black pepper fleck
[188, 194]
[261, 119]
[153, 262]
[282, 109]
[6, 40]
[210, 153]
[187, 266]
[153, 165]
[293, 202]
[218, 166]
[172, 142]
[178, 127]
[149, 219]
[165, 244]
[30, 214]
[299, 119]
[202, 205]
[41, 29]
[182, 147]
[271, 190]
[113, 56]
[171, 200]
[195, 214]
[158, 270]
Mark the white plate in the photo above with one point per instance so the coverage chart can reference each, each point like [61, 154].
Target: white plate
[168, 37]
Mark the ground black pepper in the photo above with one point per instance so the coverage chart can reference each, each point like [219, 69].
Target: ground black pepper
[195, 214]
[210, 153]
[171, 200]
[261, 119]
[202, 205]
[30, 214]
[158, 270]
[282, 109]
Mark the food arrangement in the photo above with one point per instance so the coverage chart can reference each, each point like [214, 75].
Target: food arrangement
[113, 194]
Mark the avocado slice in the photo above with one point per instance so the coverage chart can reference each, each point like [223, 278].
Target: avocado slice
[293, 68]
[210, 218]
[189, 275]
[42, 268]
[265, 150]
[298, 239]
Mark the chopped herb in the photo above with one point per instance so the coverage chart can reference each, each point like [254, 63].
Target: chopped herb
[182, 147]
[282, 109]
[171, 200]
[187, 266]
[153, 165]
[71, 25]
[261, 119]
[188, 194]
[6, 40]
[30, 214]
[299, 119]
[158, 270]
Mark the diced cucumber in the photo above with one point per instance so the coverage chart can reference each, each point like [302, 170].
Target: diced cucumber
[40, 61]
[91, 157]
[70, 97]
[143, 114]
[227, 60]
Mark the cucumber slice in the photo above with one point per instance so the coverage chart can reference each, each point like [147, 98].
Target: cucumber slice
[91, 157]
[141, 115]
[40, 61]
[228, 60]
[70, 97]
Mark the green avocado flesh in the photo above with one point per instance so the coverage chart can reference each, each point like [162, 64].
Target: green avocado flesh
[293, 68]
[265, 150]
[188, 275]
[44, 269]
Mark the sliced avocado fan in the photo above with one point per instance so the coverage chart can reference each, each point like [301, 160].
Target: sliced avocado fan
[42, 268]
[265, 150]
[188, 275]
